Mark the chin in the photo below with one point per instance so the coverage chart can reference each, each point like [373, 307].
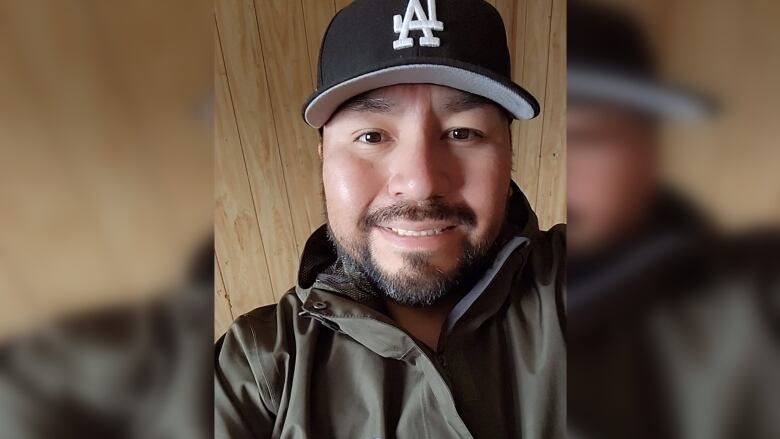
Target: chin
[419, 264]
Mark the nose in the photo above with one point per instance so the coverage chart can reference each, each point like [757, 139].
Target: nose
[419, 170]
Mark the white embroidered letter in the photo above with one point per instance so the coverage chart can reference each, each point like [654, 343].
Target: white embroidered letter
[402, 26]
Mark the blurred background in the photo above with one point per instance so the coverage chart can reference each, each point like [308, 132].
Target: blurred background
[673, 200]
[106, 216]
[106, 169]
[730, 52]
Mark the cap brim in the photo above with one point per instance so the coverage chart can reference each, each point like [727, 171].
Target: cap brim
[654, 98]
[510, 96]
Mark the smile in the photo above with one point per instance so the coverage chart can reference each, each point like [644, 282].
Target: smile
[419, 233]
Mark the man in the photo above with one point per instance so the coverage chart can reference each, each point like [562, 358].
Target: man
[430, 305]
[670, 323]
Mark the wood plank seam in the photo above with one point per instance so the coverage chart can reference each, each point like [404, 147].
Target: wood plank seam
[276, 123]
[306, 37]
[278, 146]
[243, 156]
[544, 118]
[224, 287]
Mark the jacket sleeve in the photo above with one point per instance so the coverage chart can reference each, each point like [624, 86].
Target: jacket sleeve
[241, 397]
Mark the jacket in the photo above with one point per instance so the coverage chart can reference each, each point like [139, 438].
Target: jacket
[327, 362]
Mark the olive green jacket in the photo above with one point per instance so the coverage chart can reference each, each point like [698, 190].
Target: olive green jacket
[326, 362]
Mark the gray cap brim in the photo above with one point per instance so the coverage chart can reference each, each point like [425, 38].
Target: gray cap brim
[511, 97]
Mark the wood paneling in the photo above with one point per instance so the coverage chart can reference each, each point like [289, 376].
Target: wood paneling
[223, 314]
[268, 172]
[531, 75]
[241, 253]
[551, 181]
[286, 62]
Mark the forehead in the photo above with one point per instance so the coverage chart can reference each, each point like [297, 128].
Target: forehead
[410, 91]
[399, 98]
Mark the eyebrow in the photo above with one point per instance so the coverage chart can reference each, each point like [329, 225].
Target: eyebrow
[364, 103]
[464, 101]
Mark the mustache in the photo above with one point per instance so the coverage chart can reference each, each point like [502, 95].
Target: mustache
[435, 209]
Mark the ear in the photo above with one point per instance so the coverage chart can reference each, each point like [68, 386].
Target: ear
[319, 150]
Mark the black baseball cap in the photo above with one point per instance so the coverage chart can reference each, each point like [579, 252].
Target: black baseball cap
[378, 43]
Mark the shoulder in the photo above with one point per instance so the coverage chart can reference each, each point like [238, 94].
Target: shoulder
[258, 348]
[263, 324]
[547, 266]
[252, 360]
[548, 254]
[268, 329]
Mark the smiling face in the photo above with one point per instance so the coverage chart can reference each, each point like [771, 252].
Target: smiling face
[416, 181]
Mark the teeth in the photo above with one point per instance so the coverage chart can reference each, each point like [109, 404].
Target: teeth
[431, 232]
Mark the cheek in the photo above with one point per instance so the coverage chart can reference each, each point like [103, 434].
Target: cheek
[350, 185]
[486, 186]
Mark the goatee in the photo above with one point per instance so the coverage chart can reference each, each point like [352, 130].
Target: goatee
[418, 283]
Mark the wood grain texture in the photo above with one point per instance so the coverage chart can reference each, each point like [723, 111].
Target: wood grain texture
[258, 142]
[270, 67]
[286, 62]
[223, 315]
[317, 15]
[532, 75]
[341, 3]
[239, 247]
[551, 181]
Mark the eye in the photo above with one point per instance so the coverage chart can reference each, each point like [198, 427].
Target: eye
[463, 134]
[371, 137]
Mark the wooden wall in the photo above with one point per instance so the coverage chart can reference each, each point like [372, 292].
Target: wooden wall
[268, 185]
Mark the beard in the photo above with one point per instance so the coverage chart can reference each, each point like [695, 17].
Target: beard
[418, 282]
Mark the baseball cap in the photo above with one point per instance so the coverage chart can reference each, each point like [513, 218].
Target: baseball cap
[378, 43]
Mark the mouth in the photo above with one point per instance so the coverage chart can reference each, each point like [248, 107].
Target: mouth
[416, 236]
[419, 233]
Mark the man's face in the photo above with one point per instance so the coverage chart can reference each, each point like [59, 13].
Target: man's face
[416, 180]
[611, 175]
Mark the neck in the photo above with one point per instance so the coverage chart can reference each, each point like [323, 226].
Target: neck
[423, 323]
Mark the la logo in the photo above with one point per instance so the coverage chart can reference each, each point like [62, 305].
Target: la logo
[427, 24]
